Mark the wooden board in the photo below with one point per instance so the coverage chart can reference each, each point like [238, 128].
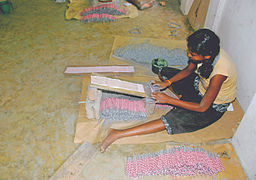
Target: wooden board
[78, 70]
[117, 85]
[197, 13]
[74, 165]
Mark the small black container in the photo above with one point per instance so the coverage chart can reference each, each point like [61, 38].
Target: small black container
[158, 64]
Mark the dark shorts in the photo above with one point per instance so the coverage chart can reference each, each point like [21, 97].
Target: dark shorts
[180, 120]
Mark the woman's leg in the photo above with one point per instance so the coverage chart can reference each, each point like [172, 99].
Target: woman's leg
[147, 128]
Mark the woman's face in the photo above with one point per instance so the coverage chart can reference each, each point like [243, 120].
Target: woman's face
[197, 58]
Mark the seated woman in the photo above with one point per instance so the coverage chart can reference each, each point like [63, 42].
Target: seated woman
[206, 87]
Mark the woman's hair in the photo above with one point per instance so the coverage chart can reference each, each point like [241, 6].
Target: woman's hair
[206, 43]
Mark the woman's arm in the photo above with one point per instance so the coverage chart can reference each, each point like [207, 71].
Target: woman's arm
[180, 75]
[209, 97]
[183, 73]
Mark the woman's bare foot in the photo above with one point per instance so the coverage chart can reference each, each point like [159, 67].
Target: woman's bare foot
[112, 136]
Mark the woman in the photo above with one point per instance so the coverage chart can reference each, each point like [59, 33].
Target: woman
[206, 87]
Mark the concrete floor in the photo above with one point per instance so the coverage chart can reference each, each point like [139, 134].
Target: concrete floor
[39, 104]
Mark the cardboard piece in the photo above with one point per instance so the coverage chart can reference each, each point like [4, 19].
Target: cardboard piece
[89, 129]
[197, 13]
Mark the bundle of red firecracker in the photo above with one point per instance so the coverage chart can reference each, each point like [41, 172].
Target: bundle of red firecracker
[98, 18]
[102, 13]
[178, 161]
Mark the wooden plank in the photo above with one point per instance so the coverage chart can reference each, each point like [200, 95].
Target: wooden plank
[74, 165]
[99, 69]
[118, 85]
[197, 13]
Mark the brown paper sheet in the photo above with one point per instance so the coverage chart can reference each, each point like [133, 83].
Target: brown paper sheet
[91, 131]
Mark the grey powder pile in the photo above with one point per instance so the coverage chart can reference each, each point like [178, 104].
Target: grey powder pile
[145, 53]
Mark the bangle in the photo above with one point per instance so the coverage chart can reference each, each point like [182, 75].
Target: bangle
[170, 83]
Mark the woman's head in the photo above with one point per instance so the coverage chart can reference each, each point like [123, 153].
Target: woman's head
[203, 46]
[204, 42]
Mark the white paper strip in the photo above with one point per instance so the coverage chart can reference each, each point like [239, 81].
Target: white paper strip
[116, 83]
[99, 69]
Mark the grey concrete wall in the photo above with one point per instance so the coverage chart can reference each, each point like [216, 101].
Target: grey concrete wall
[244, 141]
[234, 21]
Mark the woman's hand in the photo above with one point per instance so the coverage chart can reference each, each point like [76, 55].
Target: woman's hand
[162, 98]
[161, 85]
